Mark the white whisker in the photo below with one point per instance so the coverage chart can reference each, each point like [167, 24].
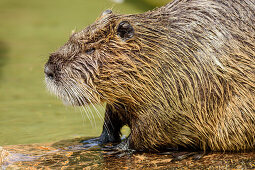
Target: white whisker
[81, 101]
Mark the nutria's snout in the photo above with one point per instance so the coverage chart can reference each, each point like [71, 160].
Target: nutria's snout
[64, 79]
[49, 71]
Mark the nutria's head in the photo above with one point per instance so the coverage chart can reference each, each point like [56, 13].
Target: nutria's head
[98, 64]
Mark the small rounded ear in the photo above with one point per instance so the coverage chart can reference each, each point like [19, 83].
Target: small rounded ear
[125, 30]
[106, 12]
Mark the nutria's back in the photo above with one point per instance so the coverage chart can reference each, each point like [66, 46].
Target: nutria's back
[180, 75]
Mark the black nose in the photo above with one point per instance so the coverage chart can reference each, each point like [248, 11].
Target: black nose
[49, 71]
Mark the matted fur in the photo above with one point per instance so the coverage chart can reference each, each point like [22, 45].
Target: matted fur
[186, 77]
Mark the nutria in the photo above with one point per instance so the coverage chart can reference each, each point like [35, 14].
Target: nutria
[182, 75]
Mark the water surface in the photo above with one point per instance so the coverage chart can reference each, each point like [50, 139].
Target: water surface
[72, 154]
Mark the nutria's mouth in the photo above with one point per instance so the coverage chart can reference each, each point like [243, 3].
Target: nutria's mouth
[70, 91]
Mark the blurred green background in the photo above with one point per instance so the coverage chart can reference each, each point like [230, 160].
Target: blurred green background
[29, 31]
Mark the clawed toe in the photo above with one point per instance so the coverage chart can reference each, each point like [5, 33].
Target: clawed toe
[199, 155]
[120, 150]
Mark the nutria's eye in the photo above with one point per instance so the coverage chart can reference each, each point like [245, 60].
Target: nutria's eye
[125, 30]
[90, 50]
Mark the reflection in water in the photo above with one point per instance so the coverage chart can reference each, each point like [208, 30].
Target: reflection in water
[8, 158]
[89, 144]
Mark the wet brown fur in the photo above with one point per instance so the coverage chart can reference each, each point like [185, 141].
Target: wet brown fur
[186, 77]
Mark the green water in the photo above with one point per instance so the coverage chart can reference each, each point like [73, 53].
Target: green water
[29, 31]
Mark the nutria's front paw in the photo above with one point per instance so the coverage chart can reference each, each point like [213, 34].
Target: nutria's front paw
[108, 138]
[122, 149]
